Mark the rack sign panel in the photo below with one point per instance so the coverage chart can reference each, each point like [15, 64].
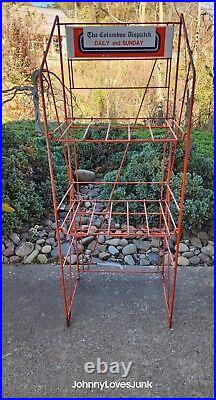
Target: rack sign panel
[119, 41]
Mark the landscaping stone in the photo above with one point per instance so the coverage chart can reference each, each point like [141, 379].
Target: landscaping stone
[50, 241]
[93, 246]
[113, 242]
[40, 241]
[42, 234]
[38, 247]
[15, 259]
[30, 258]
[113, 250]
[155, 242]
[88, 204]
[197, 252]
[51, 234]
[85, 175]
[129, 260]
[129, 249]
[209, 250]
[15, 238]
[42, 258]
[24, 249]
[104, 255]
[194, 260]
[87, 240]
[46, 249]
[102, 247]
[144, 261]
[203, 236]
[9, 251]
[188, 254]
[183, 247]
[123, 242]
[205, 258]
[153, 258]
[196, 242]
[141, 244]
[8, 242]
[97, 223]
[101, 239]
[183, 261]
[48, 222]
[154, 249]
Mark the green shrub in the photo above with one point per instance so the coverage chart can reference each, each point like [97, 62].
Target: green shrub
[146, 166]
[26, 182]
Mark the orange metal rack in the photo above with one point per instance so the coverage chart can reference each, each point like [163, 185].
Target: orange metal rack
[169, 131]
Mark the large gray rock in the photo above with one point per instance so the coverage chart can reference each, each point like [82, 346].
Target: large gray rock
[155, 242]
[87, 240]
[188, 254]
[195, 260]
[183, 261]
[209, 250]
[42, 234]
[64, 249]
[205, 258]
[94, 247]
[40, 241]
[30, 258]
[113, 250]
[102, 247]
[46, 249]
[9, 251]
[129, 260]
[183, 247]
[101, 239]
[129, 249]
[50, 241]
[24, 249]
[42, 258]
[104, 255]
[123, 242]
[153, 258]
[113, 242]
[144, 261]
[15, 238]
[196, 242]
[85, 175]
[203, 236]
[141, 244]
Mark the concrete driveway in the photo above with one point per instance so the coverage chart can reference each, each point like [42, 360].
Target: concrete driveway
[117, 319]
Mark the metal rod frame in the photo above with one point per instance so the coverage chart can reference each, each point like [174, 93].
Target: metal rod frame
[168, 209]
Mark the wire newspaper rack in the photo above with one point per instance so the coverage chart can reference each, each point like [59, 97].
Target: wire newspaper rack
[159, 216]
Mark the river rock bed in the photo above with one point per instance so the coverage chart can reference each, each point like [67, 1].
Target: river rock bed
[38, 244]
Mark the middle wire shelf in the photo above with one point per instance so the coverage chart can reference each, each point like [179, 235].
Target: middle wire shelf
[118, 131]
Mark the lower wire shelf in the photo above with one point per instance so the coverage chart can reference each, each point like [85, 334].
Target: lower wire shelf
[155, 218]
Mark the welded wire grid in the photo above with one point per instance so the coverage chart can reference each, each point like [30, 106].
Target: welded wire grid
[158, 218]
